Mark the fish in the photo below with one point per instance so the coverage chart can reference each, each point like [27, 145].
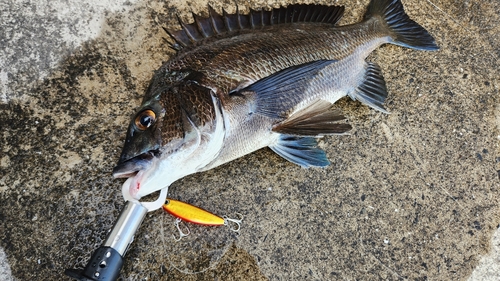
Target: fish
[269, 78]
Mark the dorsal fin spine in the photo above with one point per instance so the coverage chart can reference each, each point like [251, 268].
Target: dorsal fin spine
[266, 15]
[325, 16]
[199, 24]
[185, 28]
[225, 19]
[289, 14]
[177, 45]
[282, 15]
[181, 24]
[300, 16]
[296, 15]
[253, 18]
[216, 20]
[330, 17]
[228, 18]
[314, 16]
[307, 16]
[238, 17]
[241, 19]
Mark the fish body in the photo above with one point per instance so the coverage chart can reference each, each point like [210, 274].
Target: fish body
[243, 82]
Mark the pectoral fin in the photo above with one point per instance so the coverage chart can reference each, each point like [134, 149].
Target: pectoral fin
[302, 151]
[318, 119]
[277, 94]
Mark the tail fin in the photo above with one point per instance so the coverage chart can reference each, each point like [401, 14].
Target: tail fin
[406, 32]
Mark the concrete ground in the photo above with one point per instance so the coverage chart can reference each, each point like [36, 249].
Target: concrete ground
[412, 195]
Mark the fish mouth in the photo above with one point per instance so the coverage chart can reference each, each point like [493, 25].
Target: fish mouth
[129, 168]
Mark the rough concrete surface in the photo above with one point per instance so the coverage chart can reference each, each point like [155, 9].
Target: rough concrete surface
[412, 195]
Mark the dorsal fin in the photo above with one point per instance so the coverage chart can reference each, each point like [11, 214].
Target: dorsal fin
[216, 24]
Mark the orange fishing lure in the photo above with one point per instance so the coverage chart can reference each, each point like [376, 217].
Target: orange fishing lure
[193, 214]
[187, 212]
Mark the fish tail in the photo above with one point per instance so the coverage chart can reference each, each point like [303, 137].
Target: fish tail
[405, 32]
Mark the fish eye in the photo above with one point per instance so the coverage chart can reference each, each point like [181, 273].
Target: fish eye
[145, 119]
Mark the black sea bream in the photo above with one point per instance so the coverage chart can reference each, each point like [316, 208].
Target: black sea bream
[239, 83]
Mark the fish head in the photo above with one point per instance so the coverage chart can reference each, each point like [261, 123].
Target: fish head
[176, 132]
[143, 140]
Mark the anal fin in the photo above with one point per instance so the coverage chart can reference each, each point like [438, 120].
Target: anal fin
[372, 91]
[302, 151]
[318, 119]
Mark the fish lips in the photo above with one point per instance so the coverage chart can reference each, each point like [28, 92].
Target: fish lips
[129, 168]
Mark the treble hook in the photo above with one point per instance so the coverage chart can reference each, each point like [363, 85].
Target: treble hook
[181, 233]
[236, 223]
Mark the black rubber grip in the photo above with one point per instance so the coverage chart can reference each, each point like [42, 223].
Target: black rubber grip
[104, 265]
